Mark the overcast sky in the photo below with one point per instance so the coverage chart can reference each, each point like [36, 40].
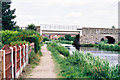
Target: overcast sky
[86, 13]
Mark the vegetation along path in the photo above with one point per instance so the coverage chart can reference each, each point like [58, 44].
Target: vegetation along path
[46, 68]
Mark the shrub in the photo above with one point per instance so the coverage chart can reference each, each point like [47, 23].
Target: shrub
[66, 42]
[61, 49]
[35, 39]
[61, 38]
[46, 39]
[109, 47]
[88, 45]
[80, 65]
[119, 43]
[11, 36]
[19, 42]
[33, 58]
[1, 45]
[67, 37]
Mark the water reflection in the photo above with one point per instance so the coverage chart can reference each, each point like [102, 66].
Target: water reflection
[111, 56]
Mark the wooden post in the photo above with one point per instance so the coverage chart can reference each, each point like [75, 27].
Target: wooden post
[20, 60]
[26, 54]
[3, 62]
[0, 65]
[15, 61]
[12, 61]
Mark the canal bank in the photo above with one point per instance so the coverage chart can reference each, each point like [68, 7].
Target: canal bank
[111, 56]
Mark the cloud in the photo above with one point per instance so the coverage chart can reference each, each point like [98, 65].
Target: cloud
[80, 12]
[74, 15]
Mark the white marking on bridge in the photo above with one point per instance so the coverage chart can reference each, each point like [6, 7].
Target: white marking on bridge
[59, 29]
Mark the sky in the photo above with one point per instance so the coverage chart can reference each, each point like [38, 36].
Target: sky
[85, 13]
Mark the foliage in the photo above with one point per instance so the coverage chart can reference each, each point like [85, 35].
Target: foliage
[11, 36]
[67, 37]
[46, 39]
[32, 27]
[88, 45]
[109, 47]
[1, 45]
[61, 49]
[17, 28]
[35, 39]
[19, 42]
[80, 65]
[72, 38]
[61, 38]
[113, 27]
[66, 42]
[33, 58]
[119, 43]
[7, 16]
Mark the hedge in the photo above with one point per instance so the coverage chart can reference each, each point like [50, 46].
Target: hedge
[11, 36]
[109, 47]
[19, 42]
[35, 39]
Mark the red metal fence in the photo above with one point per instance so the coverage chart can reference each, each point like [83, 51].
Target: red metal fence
[14, 59]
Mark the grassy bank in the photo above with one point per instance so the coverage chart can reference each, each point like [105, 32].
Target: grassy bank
[81, 65]
[88, 45]
[109, 47]
[34, 58]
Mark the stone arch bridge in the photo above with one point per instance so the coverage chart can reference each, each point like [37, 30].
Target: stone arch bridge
[95, 35]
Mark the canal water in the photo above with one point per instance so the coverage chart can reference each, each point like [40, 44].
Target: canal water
[111, 56]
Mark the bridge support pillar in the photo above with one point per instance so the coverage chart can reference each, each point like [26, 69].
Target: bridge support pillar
[77, 42]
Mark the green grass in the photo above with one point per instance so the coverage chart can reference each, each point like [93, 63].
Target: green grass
[109, 47]
[81, 65]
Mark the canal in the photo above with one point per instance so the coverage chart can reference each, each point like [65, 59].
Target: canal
[111, 56]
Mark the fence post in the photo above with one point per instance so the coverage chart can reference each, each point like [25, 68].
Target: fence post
[12, 60]
[15, 61]
[1, 64]
[23, 55]
[4, 64]
[20, 60]
[26, 54]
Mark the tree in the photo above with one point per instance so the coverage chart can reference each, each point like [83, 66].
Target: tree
[113, 26]
[67, 37]
[32, 27]
[61, 38]
[7, 16]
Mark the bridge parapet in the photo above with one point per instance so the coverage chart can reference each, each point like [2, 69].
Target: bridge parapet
[58, 27]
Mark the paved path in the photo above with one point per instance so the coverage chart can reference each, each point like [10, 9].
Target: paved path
[46, 69]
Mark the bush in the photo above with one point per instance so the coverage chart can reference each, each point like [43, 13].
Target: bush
[19, 42]
[67, 37]
[119, 43]
[61, 49]
[33, 58]
[1, 45]
[109, 47]
[88, 45]
[35, 39]
[80, 65]
[66, 42]
[11, 36]
[46, 39]
[61, 38]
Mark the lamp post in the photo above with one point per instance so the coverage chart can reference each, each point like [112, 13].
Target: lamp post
[1, 1]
